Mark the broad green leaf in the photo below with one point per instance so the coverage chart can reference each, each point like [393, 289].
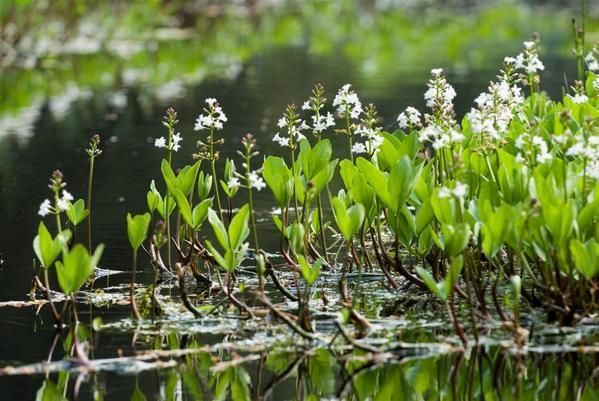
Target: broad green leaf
[310, 272]
[200, 212]
[349, 220]
[49, 392]
[586, 257]
[239, 228]
[184, 207]
[137, 229]
[77, 212]
[296, 238]
[47, 248]
[219, 229]
[76, 267]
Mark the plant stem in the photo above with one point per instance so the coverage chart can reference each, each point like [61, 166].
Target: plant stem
[214, 180]
[89, 203]
[55, 314]
[132, 292]
[323, 239]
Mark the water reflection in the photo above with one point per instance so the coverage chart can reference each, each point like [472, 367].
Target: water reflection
[335, 373]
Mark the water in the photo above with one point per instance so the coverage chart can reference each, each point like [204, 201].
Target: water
[276, 65]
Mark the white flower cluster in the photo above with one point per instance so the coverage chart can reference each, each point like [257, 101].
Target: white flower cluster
[162, 142]
[592, 59]
[589, 150]
[256, 181]
[322, 122]
[440, 129]
[440, 94]
[460, 190]
[409, 119]
[61, 205]
[440, 137]
[373, 140]
[496, 108]
[294, 130]
[579, 98]
[529, 60]
[214, 117]
[347, 101]
[532, 145]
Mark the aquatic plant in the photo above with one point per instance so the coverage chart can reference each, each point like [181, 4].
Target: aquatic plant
[488, 216]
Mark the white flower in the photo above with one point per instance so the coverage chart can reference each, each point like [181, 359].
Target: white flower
[322, 122]
[45, 208]
[460, 190]
[160, 142]
[592, 60]
[175, 146]
[176, 140]
[437, 71]
[62, 204]
[233, 183]
[214, 117]
[281, 140]
[409, 118]
[358, 148]
[579, 98]
[347, 100]
[529, 59]
[66, 195]
[256, 181]
[444, 192]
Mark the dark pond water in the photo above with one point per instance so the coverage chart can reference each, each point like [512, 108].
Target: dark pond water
[268, 76]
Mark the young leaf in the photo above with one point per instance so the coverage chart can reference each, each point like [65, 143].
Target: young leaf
[76, 267]
[219, 229]
[77, 212]
[239, 228]
[137, 229]
[47, 248]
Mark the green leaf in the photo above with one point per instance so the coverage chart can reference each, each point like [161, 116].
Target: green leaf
[279, 179]
[348, 220]
[296, 238]
[310, 273]
[433, 286]
[184, 207]
[401, 183]
[137, 229]
[239, 228]
[200, 212]
[219, 229]
[138, 395]
[47, 248]
[186, 178]
[455, 238]
[586, 257]
[169, 177]
[216, 255]
[376, 178]
[76, 267]
[77, 212]
[204, 185]
[49, 392]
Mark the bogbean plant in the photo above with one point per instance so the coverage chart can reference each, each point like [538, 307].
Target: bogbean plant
[506, 198]
[74, 264]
